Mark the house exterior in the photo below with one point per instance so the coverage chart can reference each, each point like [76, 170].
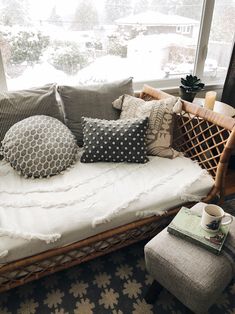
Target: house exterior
[158, 23]
[163, 43]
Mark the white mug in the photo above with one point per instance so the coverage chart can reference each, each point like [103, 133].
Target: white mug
[212, 216]
[224, 109]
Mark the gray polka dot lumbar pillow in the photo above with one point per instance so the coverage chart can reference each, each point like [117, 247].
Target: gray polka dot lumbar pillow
[114, 140]
[39, 146]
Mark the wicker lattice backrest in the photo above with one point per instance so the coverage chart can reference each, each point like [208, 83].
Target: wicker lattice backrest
[202, 135]
[200, 140]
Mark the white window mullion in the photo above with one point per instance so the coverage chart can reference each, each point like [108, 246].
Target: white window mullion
[3, 83]
[203, 38]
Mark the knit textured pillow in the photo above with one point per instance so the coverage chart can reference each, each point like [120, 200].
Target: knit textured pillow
[115, 140]
[160, 114]
[39, 146]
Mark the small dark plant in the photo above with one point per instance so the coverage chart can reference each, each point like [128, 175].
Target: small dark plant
[191, 84]
[189, 87]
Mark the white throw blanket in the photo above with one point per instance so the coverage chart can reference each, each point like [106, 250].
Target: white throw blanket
[45, 209]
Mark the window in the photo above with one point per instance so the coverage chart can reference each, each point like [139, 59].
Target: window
[220, 40]
[178, 29]
[186, 29]
[91, 41]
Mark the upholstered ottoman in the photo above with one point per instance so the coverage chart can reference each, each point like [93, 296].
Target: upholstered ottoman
[192, 274]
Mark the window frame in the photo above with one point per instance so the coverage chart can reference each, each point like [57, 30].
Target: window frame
[199, 63]
[3, 82]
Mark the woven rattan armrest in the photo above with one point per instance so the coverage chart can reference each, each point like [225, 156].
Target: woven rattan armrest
[202, 135]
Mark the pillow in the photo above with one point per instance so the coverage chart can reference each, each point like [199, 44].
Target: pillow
[160, 113]
[18, 105]
[117, 141]
[91, 101]
[39, 146]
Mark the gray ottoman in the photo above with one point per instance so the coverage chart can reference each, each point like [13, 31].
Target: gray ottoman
[192, 274]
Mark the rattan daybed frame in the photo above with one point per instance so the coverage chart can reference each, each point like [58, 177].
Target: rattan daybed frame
[202, 135]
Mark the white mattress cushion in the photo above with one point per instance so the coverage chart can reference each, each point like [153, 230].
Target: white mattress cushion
[36, 215]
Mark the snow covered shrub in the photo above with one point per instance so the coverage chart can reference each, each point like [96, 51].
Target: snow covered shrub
[67, 56]
[117, 46]
[27, 46]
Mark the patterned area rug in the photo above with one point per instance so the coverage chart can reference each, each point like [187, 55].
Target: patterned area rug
[112, 284]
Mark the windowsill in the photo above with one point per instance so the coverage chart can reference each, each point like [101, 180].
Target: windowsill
[208, 87]
[174, 90]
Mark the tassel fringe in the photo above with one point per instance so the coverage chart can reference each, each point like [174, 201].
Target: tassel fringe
[116, 211]
[3, 253]
[48, 238]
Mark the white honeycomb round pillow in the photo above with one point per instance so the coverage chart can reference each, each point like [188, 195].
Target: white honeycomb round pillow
[39, 146]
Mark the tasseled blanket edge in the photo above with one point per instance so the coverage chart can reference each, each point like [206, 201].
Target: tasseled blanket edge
[184, 193]
[3, 253]
[48, 238]
[109, 216]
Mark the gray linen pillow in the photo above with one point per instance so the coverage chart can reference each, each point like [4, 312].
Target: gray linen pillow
[18, 105]
[39, 146]
[93, 102]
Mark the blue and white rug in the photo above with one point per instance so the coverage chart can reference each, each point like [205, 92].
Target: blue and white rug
[112, 284]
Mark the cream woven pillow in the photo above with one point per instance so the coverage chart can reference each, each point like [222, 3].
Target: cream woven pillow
[160, 114]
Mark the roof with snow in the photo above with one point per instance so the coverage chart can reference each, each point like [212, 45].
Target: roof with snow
[152, 18]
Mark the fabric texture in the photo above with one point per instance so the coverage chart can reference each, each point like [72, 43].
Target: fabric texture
[18, 105]
[115, 141]
[160, 114]
[74, 203]
[39, 146]
[93, 102]
[191, 273]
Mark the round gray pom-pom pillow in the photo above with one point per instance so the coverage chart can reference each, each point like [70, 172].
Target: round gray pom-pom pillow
[39, 146]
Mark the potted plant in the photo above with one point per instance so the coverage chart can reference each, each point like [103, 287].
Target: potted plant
[189, 87]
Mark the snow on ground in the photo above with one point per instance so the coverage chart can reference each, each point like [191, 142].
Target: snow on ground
[103, 69]
[39, 74]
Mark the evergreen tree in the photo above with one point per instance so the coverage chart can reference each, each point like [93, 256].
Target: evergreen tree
[223, 22]
[164, 6]
[55, 18]
[115, 9]
[187, 8]
[86, 16]
[190, 9]
[140, 6]
[15, 12]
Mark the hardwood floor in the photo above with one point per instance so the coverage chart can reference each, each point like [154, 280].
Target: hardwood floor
[230, 182]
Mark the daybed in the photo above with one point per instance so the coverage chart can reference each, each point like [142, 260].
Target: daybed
[141, 198]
